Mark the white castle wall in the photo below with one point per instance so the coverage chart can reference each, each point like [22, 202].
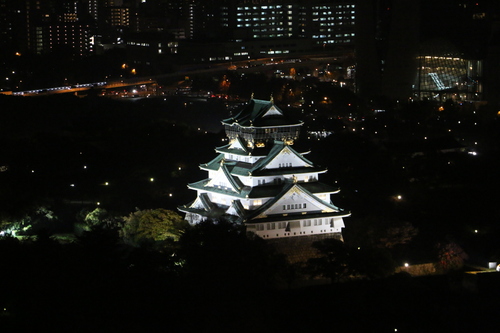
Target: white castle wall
[298, 228]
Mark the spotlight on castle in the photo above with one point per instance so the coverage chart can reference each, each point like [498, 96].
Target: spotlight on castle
[261, 181]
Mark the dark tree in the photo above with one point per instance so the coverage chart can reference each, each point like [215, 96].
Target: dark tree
[333, 262]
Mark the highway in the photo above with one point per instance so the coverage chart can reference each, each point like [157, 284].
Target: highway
[244, 66]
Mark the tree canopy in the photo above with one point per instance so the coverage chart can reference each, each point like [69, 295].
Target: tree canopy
[152, 226]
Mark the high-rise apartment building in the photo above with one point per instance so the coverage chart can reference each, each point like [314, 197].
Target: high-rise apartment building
[261, 21]
[328, 23]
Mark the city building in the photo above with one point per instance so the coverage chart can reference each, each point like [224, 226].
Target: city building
[257, 29]
[448, 76]
[260, 180]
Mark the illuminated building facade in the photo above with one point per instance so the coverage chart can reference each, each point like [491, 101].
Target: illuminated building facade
[265, 21]
[444, 73]
[261, 181]
[74, 35]
[119, 16]
[329, 23]
[447, 77]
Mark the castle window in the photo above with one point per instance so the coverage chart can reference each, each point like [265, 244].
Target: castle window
[306, 223]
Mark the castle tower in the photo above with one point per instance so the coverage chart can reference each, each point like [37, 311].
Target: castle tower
[259, 180]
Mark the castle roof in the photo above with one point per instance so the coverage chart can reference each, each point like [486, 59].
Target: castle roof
[280, 194]
[267, 191]
[260, 168]
[260, 113]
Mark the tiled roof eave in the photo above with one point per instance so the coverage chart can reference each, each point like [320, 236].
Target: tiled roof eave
[287, 171]
[201, 186]
[298, 216]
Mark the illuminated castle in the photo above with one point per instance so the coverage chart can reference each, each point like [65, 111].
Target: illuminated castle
[259, 180]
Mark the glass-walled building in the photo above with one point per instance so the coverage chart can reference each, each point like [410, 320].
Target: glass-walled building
[448, 77]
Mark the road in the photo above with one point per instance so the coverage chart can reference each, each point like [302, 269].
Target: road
[254, 65]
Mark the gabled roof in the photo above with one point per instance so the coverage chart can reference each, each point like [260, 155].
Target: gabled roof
[197, 207]
[260, 113]
[223, 175]
[236, 146]
[213, 164]
[240, 168]
[236, 208]
[278, 148]
[205, 201]
[289, 191]
[203, 186]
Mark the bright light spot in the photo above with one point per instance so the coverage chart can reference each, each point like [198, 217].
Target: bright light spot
[180, 168]
[98, 203]
[475, 231]
[72, 185]
[473, 153]
[407, 264]
[399, 197]
[106, 183]
[85, 167]
[170, 194]
[32, 171]
[151, 179]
